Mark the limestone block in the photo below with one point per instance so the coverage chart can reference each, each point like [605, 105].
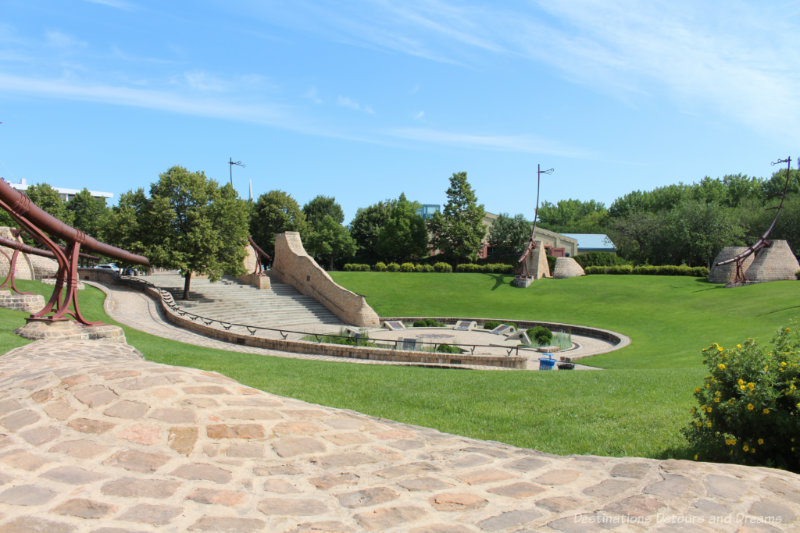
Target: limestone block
[774, 263]
[567, 267]
[727, 273]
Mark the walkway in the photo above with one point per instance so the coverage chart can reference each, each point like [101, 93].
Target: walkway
[95, 439]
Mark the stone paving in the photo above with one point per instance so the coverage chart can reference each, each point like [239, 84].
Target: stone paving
[93, 438]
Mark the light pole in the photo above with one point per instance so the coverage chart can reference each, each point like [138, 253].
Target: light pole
[231, 162]
[539, 173]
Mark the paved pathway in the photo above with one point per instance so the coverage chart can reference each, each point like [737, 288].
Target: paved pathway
[93, 438]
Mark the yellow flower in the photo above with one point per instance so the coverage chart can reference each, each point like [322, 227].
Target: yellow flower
[751, 385]
[760, 442]
[745, 447]
[742, 387]
[708, 424]
[695, 457]
[721, 366]
[765, 411]
[708, 409]
[783, 363]
[718, 393]
[750, 407]
[740, 382]
[753, 449]
[716, 400]
[697, 390]
[720, 348]
[739, 346]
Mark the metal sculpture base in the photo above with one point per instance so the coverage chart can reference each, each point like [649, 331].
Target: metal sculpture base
[522, 282]
[47, 329]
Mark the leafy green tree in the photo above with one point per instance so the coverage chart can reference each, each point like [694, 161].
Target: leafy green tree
[366, 226]
[403, 236]
[127, 223]
[700, 230]
[458, 232]
[189, 223]
[330, 242]
[89, 214]
[275, 212]
[509, 236]
[573, 216]
[320, 207]
[50, 200]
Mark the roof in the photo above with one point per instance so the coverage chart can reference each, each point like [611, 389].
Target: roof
[593, 242]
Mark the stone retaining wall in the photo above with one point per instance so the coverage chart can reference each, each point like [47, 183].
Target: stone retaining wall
[294, 266]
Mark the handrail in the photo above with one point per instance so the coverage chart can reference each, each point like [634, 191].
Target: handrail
[21, 204]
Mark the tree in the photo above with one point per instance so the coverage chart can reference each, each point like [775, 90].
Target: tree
[700, 230]
[327, 241]
[127, 223]
[275, 212]
[191, 224]
[365, 228]
[573, 216]
[47, 198]
[509, 236]
[403, 236]
[316, 210]
[459, 230]
[330, 242]
[89, 214]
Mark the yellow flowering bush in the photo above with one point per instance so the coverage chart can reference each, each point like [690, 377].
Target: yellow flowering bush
[756, 413]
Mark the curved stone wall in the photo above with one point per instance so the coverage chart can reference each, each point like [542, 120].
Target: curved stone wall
[294, 266]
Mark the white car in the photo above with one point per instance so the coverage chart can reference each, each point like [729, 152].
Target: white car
[108, 266]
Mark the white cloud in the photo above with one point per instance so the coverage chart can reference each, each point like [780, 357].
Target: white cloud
[419, 115]
[506, 143]
[59, 39]
[349, 103]
[312, 95]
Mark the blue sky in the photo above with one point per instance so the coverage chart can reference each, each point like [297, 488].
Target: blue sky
[363, 100]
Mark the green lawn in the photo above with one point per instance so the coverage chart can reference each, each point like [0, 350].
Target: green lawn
[636, 407]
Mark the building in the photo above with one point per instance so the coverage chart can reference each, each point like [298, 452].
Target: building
[593, 242]
[427, 210]
[556, 244]
[66, 194]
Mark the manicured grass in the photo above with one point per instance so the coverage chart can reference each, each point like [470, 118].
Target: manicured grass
[637, 407]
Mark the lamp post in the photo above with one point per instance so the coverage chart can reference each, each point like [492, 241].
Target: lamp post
[231, 162]
[539, 173]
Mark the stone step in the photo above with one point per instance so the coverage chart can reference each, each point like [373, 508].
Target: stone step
[232, 301]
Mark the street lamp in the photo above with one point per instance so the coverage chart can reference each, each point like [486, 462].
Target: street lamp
[231, 162]
[539, 173]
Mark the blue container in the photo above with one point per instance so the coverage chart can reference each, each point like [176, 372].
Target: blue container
[546, 363]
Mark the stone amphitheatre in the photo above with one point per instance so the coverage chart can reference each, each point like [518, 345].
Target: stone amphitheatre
[95, 438]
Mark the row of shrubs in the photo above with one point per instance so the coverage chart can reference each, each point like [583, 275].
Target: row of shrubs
[491, 268]
[653, 270]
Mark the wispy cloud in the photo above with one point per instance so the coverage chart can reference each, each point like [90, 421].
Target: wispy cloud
[349, 103]
[313, 95]
[61, 40]
[506, 143]
[116, 4]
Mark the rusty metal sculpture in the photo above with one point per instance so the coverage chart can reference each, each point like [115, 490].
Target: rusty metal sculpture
[523, 275]
[262, 256]
[41, 226]
[10, 279]
[763, 242]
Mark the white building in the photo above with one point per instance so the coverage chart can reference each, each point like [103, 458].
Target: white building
[66, 194]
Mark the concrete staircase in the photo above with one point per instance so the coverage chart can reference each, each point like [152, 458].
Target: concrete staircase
[229, 300]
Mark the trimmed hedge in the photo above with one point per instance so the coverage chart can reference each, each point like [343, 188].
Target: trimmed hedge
[645, 270]
[356, 267]
[590, 259]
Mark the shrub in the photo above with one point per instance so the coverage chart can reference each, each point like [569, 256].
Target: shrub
[407, 267]
[356, 267]
[442, 267]
[658, 270]
[427, 323]
[540, 335]
[469, 267]
[491, 324]
[380, 266]
[750, 404]
[797, 274]
[425, 268]
[446, 348]
[393, 267]
[498, 268]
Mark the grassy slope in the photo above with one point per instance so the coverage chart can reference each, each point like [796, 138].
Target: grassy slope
[637, 408]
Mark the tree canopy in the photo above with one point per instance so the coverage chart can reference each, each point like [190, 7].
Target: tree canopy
[326, 240]
[275, 212]
[458, 231]
[509, 236]
[188, 223]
